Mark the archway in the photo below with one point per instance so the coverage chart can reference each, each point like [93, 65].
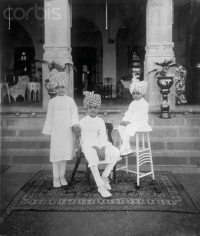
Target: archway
[86, 53]
[131, 38]
[16, 41]
[193, 65]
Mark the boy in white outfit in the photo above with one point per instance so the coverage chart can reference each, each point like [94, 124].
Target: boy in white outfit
[62, 114]
[95, 144]
[136, 118]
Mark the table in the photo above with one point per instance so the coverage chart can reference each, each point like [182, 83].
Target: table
[104, 90]
[7, 87]
[34, 91]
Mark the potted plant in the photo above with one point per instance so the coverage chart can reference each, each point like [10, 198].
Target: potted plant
[165, 66]
[164, 81]
[54, 66]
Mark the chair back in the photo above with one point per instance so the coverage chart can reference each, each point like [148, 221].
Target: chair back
[22, 83]
[126, 84]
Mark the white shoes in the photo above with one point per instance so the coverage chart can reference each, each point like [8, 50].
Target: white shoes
[104, 192]
[63, 181]
[106, 183]
[56, 183]
[126, 152]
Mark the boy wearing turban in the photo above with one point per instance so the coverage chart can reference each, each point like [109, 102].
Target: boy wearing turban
[62, 114]
[95, 144]
[136, 118]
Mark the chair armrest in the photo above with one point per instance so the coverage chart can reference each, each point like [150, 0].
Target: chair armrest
[109, 127]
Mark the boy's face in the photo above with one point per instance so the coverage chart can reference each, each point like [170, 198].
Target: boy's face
[136, 95]
[92, 111]
[60, 90]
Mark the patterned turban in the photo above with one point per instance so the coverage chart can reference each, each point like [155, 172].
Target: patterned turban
[140, 86]
[57, 78]
[91, 99]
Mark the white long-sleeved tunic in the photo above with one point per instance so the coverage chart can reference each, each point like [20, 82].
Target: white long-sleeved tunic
[137, 115]
[62, 114]
[93, 133]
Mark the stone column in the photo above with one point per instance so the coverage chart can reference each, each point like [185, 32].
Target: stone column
[57, 45]
[159, 46]
[109, 61]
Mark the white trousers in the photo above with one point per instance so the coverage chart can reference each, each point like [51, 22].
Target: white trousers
[59, 168]
[95, 172]
[125, 138]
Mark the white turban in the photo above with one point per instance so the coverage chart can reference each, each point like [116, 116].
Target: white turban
[140, 86]
[91, 99]
[57, 78]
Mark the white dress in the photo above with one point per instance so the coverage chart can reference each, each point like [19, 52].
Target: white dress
[137, 115]
[93, 133]
[62, 114]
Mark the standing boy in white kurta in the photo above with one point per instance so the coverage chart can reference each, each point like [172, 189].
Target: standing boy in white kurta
[62, 114]
[95, 144]
[136, 118]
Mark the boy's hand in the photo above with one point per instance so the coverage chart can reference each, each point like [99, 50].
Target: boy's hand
[100, 153]
[124, 123]
[77, 129]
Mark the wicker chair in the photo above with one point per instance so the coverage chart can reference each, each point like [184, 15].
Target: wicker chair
[20, 87]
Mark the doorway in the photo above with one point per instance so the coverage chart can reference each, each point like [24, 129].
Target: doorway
[84, 59]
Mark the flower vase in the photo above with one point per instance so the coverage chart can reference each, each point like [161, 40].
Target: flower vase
[165, 83]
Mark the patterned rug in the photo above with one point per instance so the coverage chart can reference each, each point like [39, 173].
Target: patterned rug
[165, 193]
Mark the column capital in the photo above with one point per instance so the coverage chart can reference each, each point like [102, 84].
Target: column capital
[60, 53]
[165, 50]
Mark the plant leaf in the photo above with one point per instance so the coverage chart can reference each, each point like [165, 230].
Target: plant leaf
[70, 65]
[152, 71]
[174, 65]
[49, 64]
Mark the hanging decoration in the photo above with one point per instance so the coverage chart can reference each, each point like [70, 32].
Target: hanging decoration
[106, 15]
[9, 16]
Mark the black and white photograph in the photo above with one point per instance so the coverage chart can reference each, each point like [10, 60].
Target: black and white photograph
[100, 117]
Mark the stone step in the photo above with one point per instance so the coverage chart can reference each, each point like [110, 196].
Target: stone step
[174, 141]
[38, 121]
[45, 139]
[18, 156]
[175, 131]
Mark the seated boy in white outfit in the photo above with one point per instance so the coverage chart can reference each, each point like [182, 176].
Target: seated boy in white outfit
[95, 144]
[136, 118]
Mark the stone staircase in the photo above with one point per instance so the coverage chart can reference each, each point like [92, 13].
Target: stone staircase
[174, 141]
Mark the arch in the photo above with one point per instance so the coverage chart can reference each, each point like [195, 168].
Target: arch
[130, 38]
[87, 46]
[192, 59]
[16, 37]
[84, 29]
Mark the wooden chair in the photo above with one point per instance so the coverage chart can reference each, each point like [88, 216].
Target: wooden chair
[126, 86]
[80, 154]
[20, 87]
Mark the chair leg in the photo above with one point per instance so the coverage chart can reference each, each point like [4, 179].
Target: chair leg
[114, 173]
[150, 153]
[137, 158]
[75, 168]
[88, 174]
